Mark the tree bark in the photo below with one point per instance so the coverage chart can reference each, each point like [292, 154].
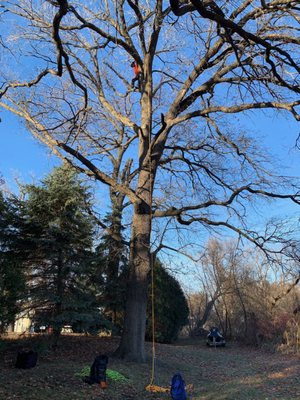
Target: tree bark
[133, 337]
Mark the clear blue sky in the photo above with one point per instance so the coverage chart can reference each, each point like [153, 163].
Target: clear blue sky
[22, 156]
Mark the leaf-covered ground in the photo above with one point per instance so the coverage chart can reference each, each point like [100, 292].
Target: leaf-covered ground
[230, 373]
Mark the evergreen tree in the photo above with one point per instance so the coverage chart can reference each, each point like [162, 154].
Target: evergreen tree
[62, 270]
[170, 306]
[11, 273]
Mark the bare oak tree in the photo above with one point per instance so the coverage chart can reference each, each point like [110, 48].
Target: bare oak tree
[186, 159]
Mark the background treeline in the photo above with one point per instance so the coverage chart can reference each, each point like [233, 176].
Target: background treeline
[249, 299]
[56, 265]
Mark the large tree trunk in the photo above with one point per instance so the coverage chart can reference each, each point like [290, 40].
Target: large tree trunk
[133, 337]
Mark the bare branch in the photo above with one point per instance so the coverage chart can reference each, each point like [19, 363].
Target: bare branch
[177, 212]
[286, 292]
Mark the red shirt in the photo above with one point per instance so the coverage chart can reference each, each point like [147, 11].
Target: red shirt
[136, 68]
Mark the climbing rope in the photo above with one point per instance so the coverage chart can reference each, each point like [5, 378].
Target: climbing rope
[152, 378]
[152, 317]
[152, 387]
[152, 268]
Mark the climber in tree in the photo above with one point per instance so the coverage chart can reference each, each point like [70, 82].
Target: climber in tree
[138, 76]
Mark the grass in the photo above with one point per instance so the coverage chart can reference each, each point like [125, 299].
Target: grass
[230, 373]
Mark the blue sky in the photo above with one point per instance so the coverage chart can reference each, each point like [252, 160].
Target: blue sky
[22, 156]
[278, 132]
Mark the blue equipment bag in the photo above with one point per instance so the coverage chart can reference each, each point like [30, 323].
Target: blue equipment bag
[177, 388]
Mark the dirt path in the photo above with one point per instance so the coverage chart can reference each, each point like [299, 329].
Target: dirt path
[230, 373]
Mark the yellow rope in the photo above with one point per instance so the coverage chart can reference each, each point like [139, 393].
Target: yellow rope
[152, 270]
[152, 387]
[153, 320]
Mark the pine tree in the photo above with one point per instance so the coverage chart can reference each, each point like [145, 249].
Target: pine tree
[11, 273]
[62, 270]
